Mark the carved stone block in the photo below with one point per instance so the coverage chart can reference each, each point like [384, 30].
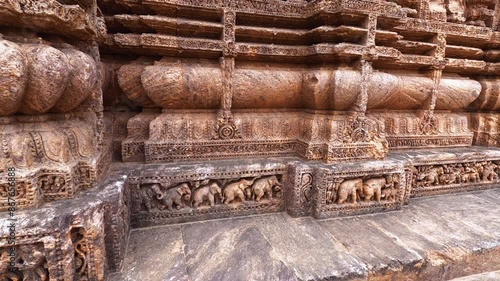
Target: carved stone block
[453, 173]
[65, 244]
[162, 194]
[299, 189]
[350, 189]
[27, 194]
[187, 136]
[408, 130]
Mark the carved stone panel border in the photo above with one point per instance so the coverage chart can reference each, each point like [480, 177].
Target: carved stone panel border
[298, 195]
[457, 176]
[339, 191]
[173, 197]
[158, 152]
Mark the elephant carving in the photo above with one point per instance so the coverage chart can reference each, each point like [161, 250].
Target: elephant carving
[470, 177]
[174, 196]
[373, 188]
[264, 187]
[207, 192]
[149, 192]
[430, 177]
[489, 173]
[236, 190]
[389, 193]
[349, 188]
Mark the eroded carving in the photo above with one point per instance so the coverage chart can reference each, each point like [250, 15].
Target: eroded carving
[202, 194]
[456, 174]
[29, 263]
[79, 240]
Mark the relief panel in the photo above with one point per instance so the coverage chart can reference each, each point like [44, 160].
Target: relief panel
[181, 198]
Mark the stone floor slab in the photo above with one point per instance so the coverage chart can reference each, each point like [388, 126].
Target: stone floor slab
[154, 254]
[378, 250]
[312, 253]
[233, 249]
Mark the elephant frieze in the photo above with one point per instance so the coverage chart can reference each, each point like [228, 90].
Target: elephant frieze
[174, 196]
[389, 194]
[430, 177]
[488, 172]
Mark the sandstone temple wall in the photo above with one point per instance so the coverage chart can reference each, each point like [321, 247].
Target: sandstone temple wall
[119, 114]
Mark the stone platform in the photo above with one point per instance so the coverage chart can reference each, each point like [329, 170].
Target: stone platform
[434, 238]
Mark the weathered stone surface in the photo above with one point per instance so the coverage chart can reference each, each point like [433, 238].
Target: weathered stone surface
[293, 240]
[82, 78]
[254, 94]
[489, 276]
[14, 75]
[153, 249]
[48, 75]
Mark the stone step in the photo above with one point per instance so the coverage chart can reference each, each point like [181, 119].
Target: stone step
[434, 238]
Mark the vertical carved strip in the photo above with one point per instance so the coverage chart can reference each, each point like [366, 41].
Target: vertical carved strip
[79, 240]
[372, 27]
[423, 9]
[428, 123]
[227, 65]
[226, 128]
[227, 61]
[369, 53]
[366, 75]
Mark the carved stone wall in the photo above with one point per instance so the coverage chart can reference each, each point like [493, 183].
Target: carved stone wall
[398, 63]
[232, 108]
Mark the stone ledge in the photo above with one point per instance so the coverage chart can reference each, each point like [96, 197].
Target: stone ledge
[435, 238]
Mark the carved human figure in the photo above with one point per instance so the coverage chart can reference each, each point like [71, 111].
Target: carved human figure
[149, 192]
[52, 183]
[264, 187]
[236, 190]
[373, 188]
[207, 192]
[174, 196]
[349, 188]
